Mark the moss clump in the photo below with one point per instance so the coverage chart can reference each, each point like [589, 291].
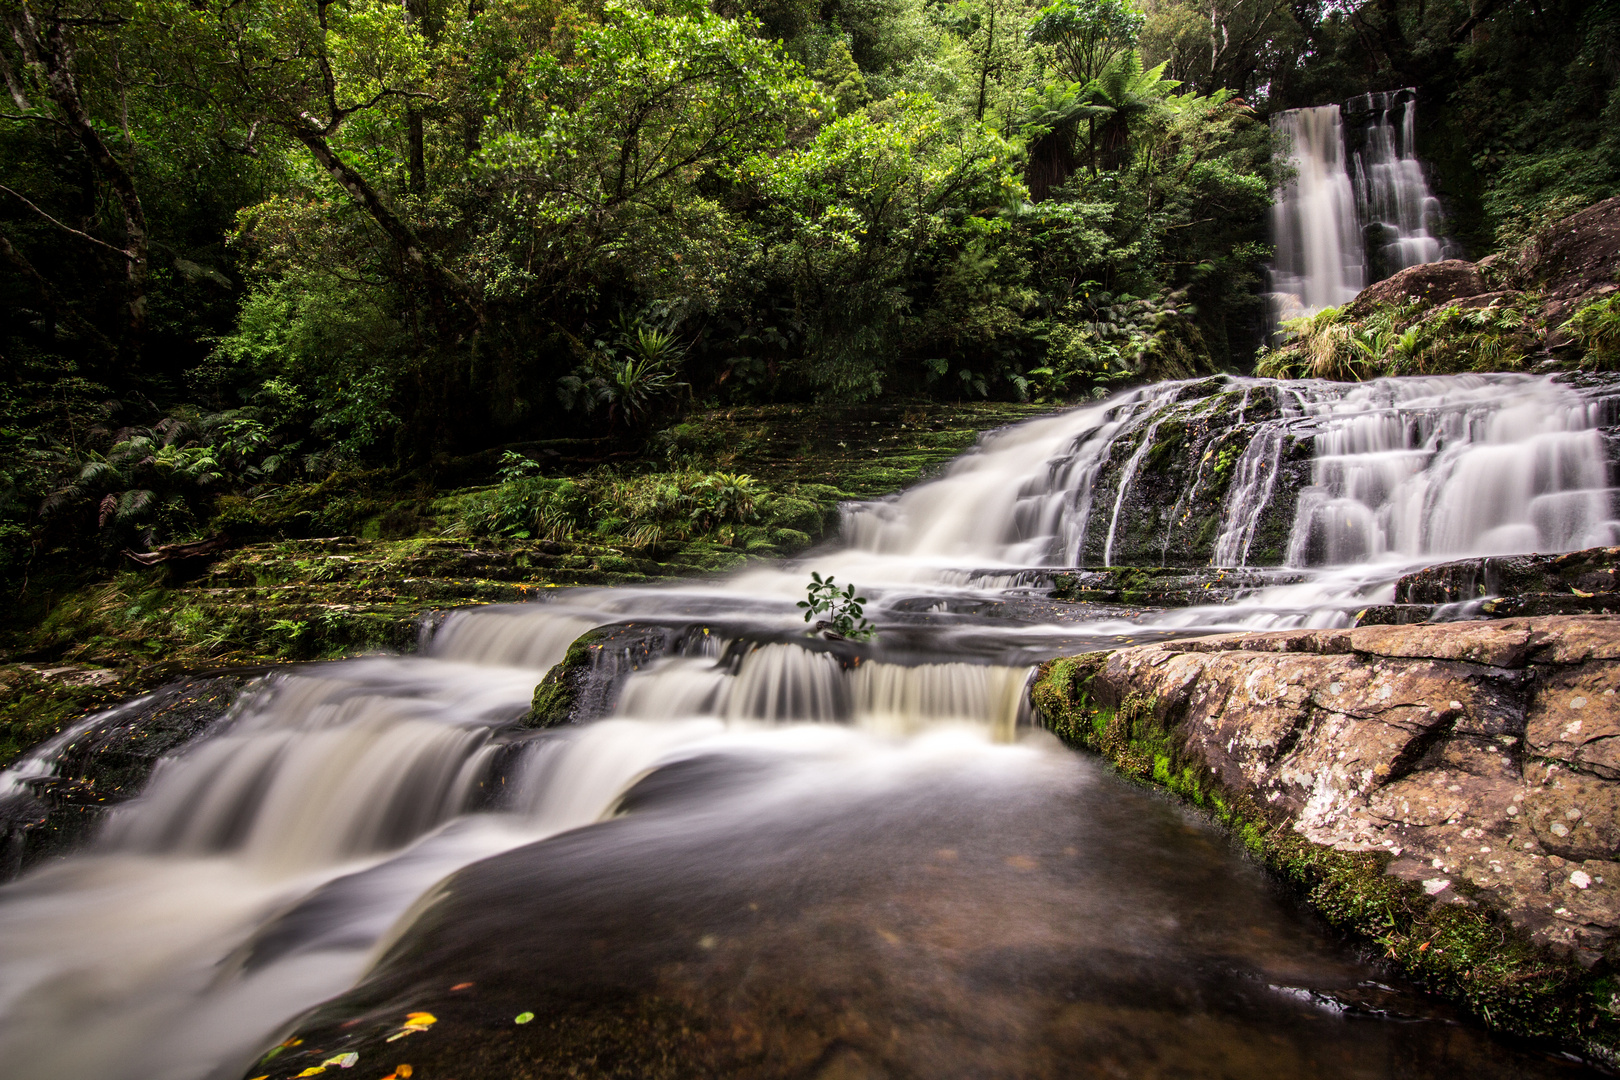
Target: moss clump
[1469, 954]
[558, 693]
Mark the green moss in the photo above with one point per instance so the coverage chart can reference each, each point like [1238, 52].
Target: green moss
[1471, 955]
[555, 697]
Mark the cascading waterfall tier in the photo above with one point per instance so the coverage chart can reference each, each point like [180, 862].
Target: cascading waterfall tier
[1356, 206]
[1308, 473]
[268, 864]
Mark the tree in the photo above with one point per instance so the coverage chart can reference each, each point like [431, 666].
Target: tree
[1088, 37]
[49, 89]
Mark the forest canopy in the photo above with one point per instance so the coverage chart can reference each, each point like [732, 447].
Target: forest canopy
[243, 243]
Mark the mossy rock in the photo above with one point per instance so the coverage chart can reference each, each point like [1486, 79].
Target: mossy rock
[1467, 953]
[108, 763]
[585, 683]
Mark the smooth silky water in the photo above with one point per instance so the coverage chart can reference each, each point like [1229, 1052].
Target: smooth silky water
[764, 859]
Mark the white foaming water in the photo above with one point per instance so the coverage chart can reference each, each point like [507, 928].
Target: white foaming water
[268, 863]
[1469, 465]
[1319, 261]
[1393, 202]
[1344, 220]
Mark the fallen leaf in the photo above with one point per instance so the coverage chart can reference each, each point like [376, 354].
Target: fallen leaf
[462, 986]
[1423, 947]
[276, 1050]
[422, 1018]
[342, 1061]
[312, 1070]
[523, 1018]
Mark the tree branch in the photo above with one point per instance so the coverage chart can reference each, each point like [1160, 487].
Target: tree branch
[60, 225]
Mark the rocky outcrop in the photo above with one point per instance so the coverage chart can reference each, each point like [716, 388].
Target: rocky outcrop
[1483, 758]
[1576, 259]
[586, 683]
[1571, 263]
[1426, 786]
[1575, 582]
[1430, 284]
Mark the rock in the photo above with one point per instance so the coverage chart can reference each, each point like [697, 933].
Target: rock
[104, 761]
[1576, 259]
[1432, 284]
[586, 683]
[1482, 756]
[1508, 586]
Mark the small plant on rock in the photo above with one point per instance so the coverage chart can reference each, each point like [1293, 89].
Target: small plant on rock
[845, 611]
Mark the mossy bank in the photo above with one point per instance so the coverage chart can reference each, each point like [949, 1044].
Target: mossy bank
[1381, 774]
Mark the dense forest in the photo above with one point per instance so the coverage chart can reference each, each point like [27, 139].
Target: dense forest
[251, 244]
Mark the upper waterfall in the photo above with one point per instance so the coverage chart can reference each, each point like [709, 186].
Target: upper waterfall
[1355, 206]
[1252, 472]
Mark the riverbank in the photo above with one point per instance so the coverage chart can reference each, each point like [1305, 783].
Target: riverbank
[1440, 792]
[398, 549]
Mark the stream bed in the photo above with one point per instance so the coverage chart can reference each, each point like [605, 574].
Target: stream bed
[762, 854]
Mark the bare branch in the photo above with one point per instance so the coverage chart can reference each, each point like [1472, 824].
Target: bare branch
[82, 235]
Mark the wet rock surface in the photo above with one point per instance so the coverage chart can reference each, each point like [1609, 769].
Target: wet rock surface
[1480, 758]
[1430, 284]
[1044, 922]
[103, 762]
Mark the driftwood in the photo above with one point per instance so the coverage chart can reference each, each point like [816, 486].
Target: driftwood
[193, 549]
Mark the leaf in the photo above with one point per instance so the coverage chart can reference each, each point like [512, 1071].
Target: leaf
[423, 1019]
[342, 1061]
[312, 1070]
[468, 985]
[523, 1018]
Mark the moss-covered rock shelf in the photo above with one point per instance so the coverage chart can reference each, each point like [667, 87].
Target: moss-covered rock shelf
[1381, 773]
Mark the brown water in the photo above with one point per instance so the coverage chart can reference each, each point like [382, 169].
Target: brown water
[949, 909]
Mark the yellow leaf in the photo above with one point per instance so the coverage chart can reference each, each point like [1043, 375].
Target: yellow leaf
[342, 1061]
[421, 1018]
[312, 1070]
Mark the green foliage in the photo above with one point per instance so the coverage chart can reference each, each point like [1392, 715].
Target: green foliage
[1088, 36]
[1405, 340]
[844, 610]
[1596, 326]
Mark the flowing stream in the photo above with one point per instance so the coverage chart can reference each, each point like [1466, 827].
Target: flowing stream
[848, 862]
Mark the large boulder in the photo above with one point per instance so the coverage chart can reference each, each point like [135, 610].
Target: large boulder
[1431, 284]
[1576, 259]
[1477, 759]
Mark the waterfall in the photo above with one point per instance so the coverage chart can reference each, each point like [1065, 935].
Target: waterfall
[267, 864]
[1319, 261]
[1468, 465]
[1355, 207]
[1394, 206]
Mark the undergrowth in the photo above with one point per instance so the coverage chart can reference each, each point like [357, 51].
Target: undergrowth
[1406, 339]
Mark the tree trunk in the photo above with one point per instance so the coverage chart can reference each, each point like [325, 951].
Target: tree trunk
[51, 55]
[418, 152]
[439, 278]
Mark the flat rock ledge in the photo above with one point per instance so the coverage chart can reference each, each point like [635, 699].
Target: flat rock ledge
[1466, 771]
